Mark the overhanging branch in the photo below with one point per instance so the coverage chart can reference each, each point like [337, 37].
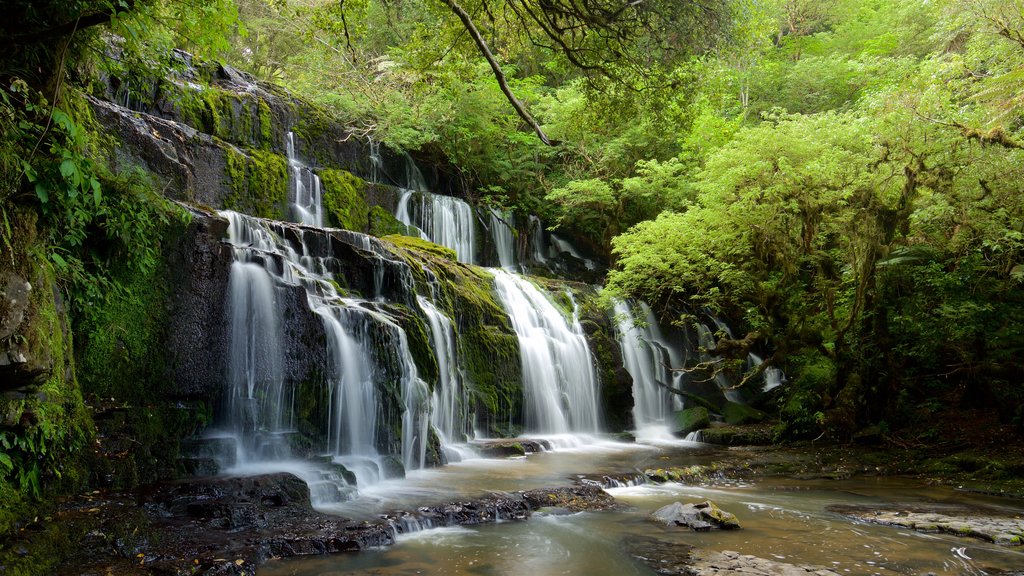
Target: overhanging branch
[499, 75]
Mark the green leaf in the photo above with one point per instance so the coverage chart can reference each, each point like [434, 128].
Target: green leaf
[6, 462]
[59, 260]
[42, 193]
[97, 193]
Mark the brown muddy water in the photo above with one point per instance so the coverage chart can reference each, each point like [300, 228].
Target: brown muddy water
[784, 520]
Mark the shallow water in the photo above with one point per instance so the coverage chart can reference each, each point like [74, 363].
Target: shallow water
[782, 519]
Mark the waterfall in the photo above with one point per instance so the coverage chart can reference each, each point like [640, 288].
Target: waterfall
[404, 214]
[648, 357]
[365, 346]
[441, 219]
[450, 400]
[306, 190]
[559, 380]
[502, 224]
[537, 246]
[706, 338]
[376, 163]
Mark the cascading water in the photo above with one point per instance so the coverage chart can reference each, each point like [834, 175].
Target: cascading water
[441, 219]
[707, 341]
[366, 348]
[258, 411]
[502, 224]
[559, 380]
[648, 358]
[537, 247]
[450, 400]
[306, 189]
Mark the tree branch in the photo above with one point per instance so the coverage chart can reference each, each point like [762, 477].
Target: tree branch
[499, 75]
[82, 22]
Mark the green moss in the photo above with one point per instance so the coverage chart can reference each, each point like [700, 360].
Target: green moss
[259, 182]
[266, 120]
[44, 427]
[488, 348]
[741, 414]
[423, 246]
[383, 223]
[344, 200]
[691, 420]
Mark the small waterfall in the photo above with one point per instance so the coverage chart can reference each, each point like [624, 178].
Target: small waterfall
[559, 380]
[450, 400]
[561, 245]
[706, 338]
[773, 377]
[404, 214]
[537, 247]
[376, 163]
[306, 190]
[502, 224]
[648, 357]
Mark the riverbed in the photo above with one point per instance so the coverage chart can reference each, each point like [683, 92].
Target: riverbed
[783, 519]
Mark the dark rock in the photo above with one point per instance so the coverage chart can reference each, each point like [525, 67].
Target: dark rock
[701, 516]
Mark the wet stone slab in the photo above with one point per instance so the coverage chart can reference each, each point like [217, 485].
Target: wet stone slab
[987, 524]
[672, 559]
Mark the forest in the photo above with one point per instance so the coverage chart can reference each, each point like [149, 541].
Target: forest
[841, 182]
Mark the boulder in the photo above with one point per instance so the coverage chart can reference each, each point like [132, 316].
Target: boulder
[691, 420]
[701, 516]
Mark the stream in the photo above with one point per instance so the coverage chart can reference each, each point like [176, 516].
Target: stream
[783, 519]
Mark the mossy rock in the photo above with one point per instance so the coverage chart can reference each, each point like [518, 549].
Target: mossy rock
[746, 435]
[383, 223]
[344, 200]
[421, 245]
[735, 413]
[259, 182]
[691, 420]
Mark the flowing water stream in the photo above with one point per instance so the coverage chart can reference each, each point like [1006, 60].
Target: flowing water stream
[783, 520]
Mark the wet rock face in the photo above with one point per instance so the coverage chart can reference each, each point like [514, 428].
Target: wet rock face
[983, 523]
[16, 366]
[197, 335]
[701, 516]
[672, 559]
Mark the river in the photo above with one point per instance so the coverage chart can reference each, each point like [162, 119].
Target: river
[783, 519]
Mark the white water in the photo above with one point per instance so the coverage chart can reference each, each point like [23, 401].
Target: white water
[450, 409]
[648, 358]
[502, 224]
[537, 246]
[306, 190]
[441, 219]
[707, 341]
[366, 348]
[559, 381]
